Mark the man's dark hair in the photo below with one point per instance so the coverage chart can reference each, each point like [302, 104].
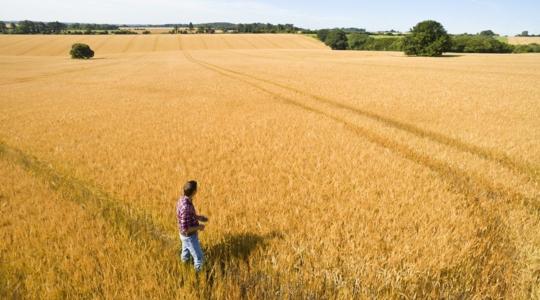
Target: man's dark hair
[190, 188]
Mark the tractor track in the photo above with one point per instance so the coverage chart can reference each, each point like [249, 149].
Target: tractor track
[129, 44]
[88, 196]
[249, 42]
[32, 48]
[205, 45]
[481, 199]
[473, 186]
[293, 58]
[224, 40]
[21, 41]
[269, 41]
[155, 43]
[103, 42]
[488, 154]
[59, 73]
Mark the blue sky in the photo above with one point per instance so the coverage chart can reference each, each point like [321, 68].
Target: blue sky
[458, 16]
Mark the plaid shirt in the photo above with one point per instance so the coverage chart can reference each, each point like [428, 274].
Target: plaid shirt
[185, 212]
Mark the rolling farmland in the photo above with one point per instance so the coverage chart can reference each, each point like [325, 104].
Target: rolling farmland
[56, 45]
[519, 40]
[324, 174]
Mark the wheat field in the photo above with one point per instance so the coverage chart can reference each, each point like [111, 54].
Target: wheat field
[522, 40]
[325, 174]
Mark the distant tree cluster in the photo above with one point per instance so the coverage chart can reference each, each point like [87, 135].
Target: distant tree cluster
[427, 38]
[527, 34]
[87, 32]
[237, 28]
[334, 38]
[204, 29]
[487, 42]
[31, 27]
[360, 41]
[480, 43]
[83, 26]
[267, 28]
[531, 48]
[210, 28]
[339, 39]
[488, 33]
[124, 31]
[349, 30]
[354, 30]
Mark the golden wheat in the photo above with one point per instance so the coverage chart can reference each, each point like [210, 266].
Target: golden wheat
[59, 45]
[523, 40]
[325, 174]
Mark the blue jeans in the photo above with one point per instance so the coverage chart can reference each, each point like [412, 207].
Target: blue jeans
[192, 248]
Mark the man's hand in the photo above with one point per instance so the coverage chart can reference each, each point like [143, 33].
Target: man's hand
[193, 230]
[202, 218]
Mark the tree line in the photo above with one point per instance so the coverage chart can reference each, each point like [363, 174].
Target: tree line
[428, 38]
[267, 28]
[31, 27]
[239, 28]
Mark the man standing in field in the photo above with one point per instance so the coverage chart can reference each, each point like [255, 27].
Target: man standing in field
[188, 223]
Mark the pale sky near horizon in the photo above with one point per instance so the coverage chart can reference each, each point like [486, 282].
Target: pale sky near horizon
[458, 16]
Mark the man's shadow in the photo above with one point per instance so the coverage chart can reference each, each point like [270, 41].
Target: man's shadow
[237, 248]
[226, 258]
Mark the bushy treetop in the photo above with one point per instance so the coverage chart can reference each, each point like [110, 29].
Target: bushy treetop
[81, 51]
[336, 39]
[427, 38]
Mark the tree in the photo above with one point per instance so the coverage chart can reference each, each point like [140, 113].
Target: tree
[358, 40]
[190, 26]
[337, 39]
[3, 27]
[383, 44]
[479, 44]
[488, 33]
[26, 27]
[240, 28]
[531, 48]
[56, 27]
[81, 51]
[322, 34]
[427, 38]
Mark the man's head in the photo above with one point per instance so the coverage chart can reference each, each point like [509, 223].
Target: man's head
[190, 188]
